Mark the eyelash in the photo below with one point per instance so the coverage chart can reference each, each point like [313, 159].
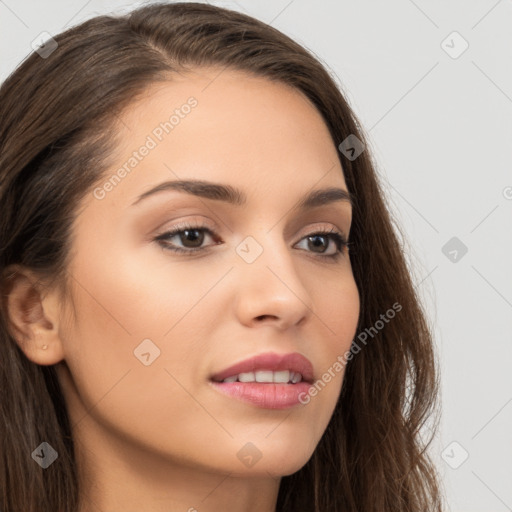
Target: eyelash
[339, 239]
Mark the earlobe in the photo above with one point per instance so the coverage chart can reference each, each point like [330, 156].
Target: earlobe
[32, 316]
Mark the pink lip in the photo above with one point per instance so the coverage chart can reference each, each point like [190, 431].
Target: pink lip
[271, 361]
[265, 395]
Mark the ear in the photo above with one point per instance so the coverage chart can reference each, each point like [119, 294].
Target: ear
[32, 314]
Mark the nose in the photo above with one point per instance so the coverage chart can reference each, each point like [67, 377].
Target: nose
[269, 290]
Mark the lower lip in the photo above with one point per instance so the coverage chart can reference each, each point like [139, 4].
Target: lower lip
[265, 395]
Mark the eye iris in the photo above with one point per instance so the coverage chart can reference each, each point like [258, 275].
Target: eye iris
[316, 238]
[196, 240]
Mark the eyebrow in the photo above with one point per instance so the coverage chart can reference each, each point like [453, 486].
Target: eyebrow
[234, 196]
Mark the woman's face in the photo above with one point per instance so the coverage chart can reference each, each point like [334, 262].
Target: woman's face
[152, 327]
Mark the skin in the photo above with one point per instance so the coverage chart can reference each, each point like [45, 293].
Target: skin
[158, 437]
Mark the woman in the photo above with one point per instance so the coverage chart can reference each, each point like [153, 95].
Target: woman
[205, 304]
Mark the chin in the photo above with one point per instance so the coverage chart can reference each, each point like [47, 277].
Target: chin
[279, 462]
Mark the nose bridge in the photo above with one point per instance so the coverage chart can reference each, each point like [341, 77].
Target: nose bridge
[269, 281]
[265, 247]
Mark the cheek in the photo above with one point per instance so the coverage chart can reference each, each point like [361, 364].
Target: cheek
[337, 306]
[338, 315]
[128, 315]
[136, 310]
[134, 298]
[340, 306]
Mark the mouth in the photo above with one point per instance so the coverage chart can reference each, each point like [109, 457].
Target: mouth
[270, 381]
[266, 377]
[269, 367]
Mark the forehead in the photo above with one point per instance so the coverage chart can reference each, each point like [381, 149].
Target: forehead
[224, 125]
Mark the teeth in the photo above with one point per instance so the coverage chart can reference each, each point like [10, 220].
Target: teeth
[281, 377]
[246, 377]
[264, 376]
[297, 377]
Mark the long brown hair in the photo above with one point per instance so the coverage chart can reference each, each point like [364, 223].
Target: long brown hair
[56, 137]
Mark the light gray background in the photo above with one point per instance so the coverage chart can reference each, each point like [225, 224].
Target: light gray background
[440, 129]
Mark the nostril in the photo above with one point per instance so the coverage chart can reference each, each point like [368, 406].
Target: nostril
[263, 317]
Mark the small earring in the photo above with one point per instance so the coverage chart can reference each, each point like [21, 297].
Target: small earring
[45, 347]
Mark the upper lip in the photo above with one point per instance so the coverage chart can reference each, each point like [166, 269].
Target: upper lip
[271, 361]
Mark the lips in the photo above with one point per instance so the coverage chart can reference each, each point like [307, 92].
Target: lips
[293, 362]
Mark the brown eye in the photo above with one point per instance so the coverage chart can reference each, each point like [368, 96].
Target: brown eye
[191, 238]
[319, 243]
